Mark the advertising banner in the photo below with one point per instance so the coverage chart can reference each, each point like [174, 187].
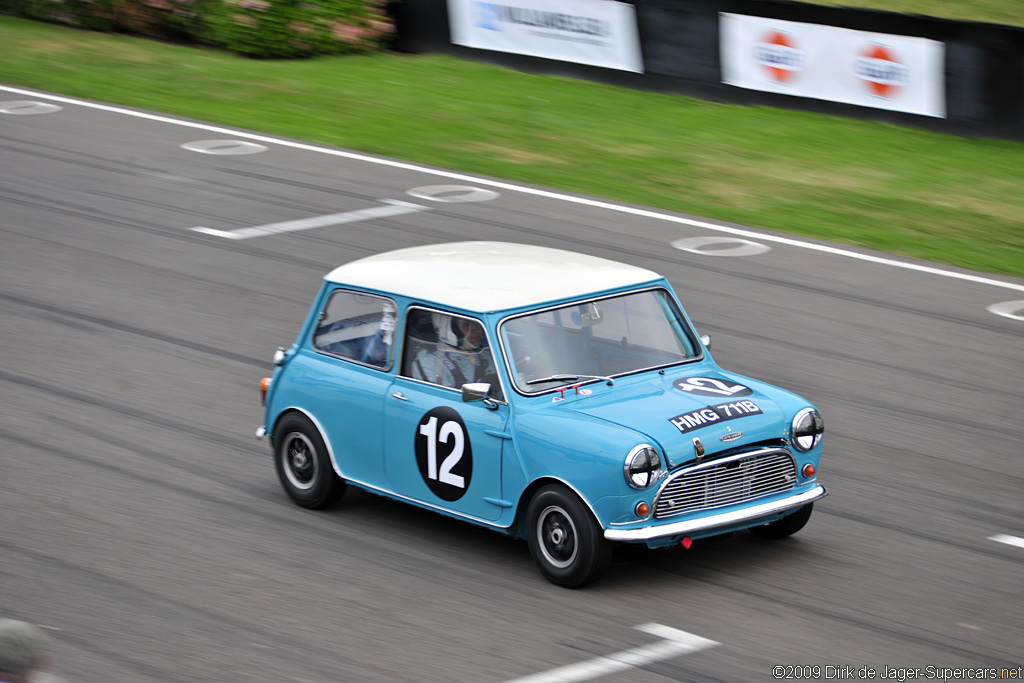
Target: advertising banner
[595, 32]
[899, 73]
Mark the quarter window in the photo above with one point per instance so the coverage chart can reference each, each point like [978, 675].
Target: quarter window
[358, 327]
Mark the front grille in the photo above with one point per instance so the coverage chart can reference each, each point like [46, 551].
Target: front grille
[738, 478]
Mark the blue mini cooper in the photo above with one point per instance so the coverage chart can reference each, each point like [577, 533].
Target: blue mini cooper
[546, 394]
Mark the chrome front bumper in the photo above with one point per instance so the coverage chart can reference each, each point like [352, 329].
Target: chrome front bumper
[715, 521]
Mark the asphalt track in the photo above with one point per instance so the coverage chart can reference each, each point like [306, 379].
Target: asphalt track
[142, 524]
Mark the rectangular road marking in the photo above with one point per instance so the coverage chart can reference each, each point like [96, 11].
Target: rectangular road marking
[392, 207]
[675, 643]
[1008, 540]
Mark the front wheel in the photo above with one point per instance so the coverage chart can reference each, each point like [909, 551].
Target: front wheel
[303, 465]
[565, 540]
[787, 526]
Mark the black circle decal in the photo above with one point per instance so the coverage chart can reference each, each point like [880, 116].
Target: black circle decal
[709, 386]
[443, 453]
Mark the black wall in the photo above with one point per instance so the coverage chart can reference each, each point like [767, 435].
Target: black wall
[679, 38]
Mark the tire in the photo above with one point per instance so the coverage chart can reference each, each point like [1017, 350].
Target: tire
[565, 540]
[787, 526]
[303, 465]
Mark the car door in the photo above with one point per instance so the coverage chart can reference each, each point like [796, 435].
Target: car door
[438, 449]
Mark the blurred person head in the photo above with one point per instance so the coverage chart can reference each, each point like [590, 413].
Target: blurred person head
[24, 650]
[472, 334]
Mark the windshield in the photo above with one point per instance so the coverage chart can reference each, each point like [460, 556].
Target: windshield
[597, 339]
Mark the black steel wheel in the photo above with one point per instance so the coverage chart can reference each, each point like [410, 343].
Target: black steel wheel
[565, 540]
[303, 465]
[787, 526]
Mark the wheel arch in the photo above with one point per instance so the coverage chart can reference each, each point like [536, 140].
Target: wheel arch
[316, 423]
[518, 526]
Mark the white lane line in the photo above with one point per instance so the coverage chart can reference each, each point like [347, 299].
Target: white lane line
[1008, 540]
[393, 207]
[645, 213]
[675, 643]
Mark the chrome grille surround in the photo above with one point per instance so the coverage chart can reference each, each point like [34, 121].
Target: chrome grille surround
[734, 479]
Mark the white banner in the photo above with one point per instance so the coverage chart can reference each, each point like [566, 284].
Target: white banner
[877, 70]
[595, 32]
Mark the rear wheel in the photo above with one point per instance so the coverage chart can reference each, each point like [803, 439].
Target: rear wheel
[565, 540]
[787, 526]
[303, 465]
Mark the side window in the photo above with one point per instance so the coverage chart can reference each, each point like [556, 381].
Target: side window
[358, 327]
[448, 350]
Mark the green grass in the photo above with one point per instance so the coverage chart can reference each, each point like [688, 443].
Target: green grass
[993, 11]
[905, 191]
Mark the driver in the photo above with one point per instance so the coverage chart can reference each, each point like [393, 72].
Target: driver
[466, 358]
[472, 356]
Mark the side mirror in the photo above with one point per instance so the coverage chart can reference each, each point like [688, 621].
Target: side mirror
[475, 391]
[705, 339]
[280, 356]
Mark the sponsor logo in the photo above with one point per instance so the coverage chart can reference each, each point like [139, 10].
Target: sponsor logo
[695, 419]
[490, 16]
[779, 56]
[880, 70]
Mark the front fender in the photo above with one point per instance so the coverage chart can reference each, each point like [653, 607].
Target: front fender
[586, 451]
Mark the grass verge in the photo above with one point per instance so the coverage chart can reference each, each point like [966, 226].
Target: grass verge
[905, 191]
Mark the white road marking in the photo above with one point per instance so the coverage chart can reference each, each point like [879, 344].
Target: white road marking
[734, 246]
[453, 193]
[24, 108]
[1008, 309]
[1008, 540]
[644, 213]
[393, 207]
[224, 147]
[675, 643]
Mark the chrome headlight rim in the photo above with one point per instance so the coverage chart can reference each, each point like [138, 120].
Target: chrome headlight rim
[642, 467]
[807, 429]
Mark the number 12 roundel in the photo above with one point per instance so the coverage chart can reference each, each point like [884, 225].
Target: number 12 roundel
[443, 453]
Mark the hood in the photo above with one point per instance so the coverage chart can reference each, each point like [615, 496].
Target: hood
[674, 408]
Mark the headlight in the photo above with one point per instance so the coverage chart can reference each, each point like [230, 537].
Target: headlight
[642, 466]
[808, 426]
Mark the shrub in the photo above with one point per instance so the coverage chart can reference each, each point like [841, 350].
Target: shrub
[180, 20]
[294, 28]
[258, 28]
[96, 15]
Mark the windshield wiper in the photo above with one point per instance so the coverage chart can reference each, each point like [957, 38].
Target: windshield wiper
[570, 378]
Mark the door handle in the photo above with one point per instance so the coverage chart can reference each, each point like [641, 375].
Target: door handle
[399, 396]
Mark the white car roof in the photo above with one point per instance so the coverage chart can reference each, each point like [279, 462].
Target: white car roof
[488, 276]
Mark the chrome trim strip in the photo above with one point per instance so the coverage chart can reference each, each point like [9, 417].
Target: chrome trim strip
[721, 519]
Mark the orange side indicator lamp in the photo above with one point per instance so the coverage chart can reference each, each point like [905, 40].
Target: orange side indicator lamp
[642, 509]
[808, 471]
[264, 384]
